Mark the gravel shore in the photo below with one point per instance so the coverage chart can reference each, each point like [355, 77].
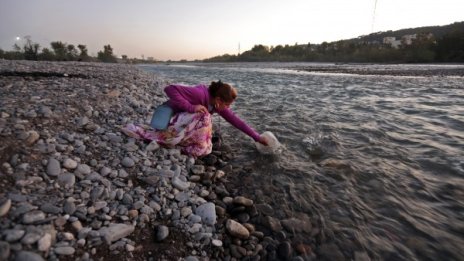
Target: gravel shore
[73, 186]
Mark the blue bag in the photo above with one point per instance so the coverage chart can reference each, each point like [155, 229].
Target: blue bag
[161, 117]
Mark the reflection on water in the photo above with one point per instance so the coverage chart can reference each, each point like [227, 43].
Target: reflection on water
[376, 161]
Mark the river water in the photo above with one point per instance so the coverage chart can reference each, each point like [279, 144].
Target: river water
[376, 160]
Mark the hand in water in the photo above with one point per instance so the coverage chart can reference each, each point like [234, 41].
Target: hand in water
[200, 108]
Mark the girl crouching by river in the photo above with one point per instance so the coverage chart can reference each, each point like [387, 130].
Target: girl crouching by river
[191, 127]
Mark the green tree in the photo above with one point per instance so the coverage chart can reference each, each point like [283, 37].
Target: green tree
[106, 55]
[46, 55]
[59, 48]
[83, 55]
[71, 52]
[31, 50]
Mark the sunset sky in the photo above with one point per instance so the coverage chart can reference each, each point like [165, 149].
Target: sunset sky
[178, 29]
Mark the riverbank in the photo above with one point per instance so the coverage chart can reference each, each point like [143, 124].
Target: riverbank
[73, 186]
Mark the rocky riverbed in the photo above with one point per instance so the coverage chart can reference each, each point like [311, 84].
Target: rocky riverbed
[73, 186]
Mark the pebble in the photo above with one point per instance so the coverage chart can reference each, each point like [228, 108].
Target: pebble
[5, 207]
[83, 169]
[45, 242]
[53, 167]
[28, 256]
[207, 212]
[128, 162]
[65, 250]
[13, 235]
[67, 180]
[116, 231]
[162, 232]
[243, 201]
[216, 242]
[33, 217]
[32, 137]
[237, 230]
[179, 184]
[70, 164]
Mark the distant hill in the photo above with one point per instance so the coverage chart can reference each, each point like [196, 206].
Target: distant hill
[437, 31]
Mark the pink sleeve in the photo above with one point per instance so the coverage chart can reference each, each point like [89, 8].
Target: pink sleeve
[230, 117]
[177, 99]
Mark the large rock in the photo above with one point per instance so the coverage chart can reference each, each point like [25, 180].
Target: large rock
[116, 231]
[237, 230]
[207, 212]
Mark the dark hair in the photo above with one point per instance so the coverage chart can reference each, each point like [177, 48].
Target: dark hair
[222, 90]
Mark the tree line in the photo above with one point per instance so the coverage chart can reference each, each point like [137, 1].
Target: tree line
[423, 49]
[58, 51]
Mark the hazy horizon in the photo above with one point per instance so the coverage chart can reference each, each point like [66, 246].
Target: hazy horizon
[179, 29]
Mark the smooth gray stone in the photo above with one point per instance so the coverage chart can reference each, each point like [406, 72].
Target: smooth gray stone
[17, 197]
[191, 258]
[33, 217]
[179, 184]
[13, 235]
[182, 196]
[128, 162]
[49, 208]
[83, 169]
[65, 250]
[67, 180]
[207, 212]
[122, 174]
[53, 167]
[70, 164]
[116, 231]
[31, 238]
[28, 256]
[162, 232]
[69, 207]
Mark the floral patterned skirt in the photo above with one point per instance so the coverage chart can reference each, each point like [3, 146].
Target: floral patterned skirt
[192, 132]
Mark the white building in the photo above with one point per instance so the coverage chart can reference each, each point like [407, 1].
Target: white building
[390, 40]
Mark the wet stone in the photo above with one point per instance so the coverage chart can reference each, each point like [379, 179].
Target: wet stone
[237, 230]
[284, 250]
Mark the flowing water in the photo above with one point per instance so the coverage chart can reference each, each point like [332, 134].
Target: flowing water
[378, 159]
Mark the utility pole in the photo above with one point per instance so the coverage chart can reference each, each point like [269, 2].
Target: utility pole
[238, 48]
